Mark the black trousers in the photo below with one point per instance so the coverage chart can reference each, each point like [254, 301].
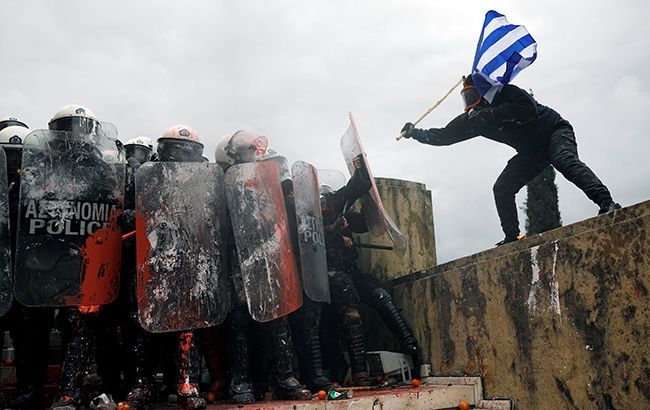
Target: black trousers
[562, 153]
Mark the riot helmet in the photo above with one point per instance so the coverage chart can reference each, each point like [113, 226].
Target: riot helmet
[11, 121]
[330, 181]
[180, 143]
[75, 119]
[140, 148]
[273, 155]
[239, 147]
[470, 94]
[11, 140]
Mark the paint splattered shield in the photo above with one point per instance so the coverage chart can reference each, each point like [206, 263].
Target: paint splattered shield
[378, 220]
[69, 240]
[6, 277]
[310, 233]
[269, 274]
[181, 221]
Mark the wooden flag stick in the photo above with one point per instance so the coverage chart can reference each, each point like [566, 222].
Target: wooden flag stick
[437, 103]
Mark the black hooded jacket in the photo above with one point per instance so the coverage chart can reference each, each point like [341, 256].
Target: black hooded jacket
[514, 118]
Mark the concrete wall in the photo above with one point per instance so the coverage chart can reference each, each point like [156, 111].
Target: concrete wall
[560, 320]
[409, 204]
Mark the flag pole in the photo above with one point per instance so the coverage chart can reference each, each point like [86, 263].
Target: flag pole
[437, 103]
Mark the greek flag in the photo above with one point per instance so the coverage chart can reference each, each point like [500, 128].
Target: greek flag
[503, 50]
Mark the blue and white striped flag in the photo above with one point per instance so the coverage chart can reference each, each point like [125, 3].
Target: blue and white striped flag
[503, 50]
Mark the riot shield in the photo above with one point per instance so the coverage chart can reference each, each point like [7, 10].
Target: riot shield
[330, 180]
[379, 222]
[269, 272]
[69, 241]
[6, 282]
[311, 236]
[181, 220]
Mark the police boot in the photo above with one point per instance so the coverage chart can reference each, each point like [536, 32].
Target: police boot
[241, 388]
[31, 338]
[189, 362]
[285, 385]
[393, 318]
[139, 367]
[26, 397]
[213, 340]
[310, 347]
[76, 361]
[353, 331]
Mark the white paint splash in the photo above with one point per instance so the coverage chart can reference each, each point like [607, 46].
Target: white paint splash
[555, 288]
[535, 284]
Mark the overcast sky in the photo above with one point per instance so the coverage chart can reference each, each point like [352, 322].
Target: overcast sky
[291, 70]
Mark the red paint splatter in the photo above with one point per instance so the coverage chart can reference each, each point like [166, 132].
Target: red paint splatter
[99, 275]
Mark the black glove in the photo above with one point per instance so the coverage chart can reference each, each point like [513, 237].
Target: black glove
[407, 130]
[479, 118]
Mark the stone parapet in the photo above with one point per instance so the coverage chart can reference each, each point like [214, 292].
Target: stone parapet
[560, 320]
[409, 205]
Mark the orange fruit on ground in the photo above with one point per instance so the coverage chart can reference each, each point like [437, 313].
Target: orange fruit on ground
[415, 382]
[321, 395]
[210, 397]
[463, 405]
[123, 406]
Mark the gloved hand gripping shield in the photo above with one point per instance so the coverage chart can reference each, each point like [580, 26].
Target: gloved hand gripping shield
[69, 242]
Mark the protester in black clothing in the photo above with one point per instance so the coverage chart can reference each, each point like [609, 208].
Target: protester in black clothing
[538, 133]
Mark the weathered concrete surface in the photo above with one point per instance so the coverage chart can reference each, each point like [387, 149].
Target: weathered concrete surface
[409, 204]
[560, 320]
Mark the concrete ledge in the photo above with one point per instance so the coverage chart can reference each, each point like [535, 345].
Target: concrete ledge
[560, 320]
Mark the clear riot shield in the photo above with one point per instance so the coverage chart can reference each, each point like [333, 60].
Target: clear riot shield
[69, 240]
[258, 214]
[330, 180]
[6, 280]
[181, 220]
[379, 222]
[311, 236]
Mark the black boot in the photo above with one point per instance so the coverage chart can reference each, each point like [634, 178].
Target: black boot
[139, 366]
[285, 385]
[353, 332]
[608, 206]
[395, 321]
[306, 327]
[310, 347]
[26, 397]
[31, 338]
[507, 239]
[76, 361]
[241, 387]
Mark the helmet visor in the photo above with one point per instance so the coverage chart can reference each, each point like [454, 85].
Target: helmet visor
[139, 152]
[75, 125]
[177, 150]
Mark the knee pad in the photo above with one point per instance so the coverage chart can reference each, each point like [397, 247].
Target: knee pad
[351, 317]
[381, 295]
